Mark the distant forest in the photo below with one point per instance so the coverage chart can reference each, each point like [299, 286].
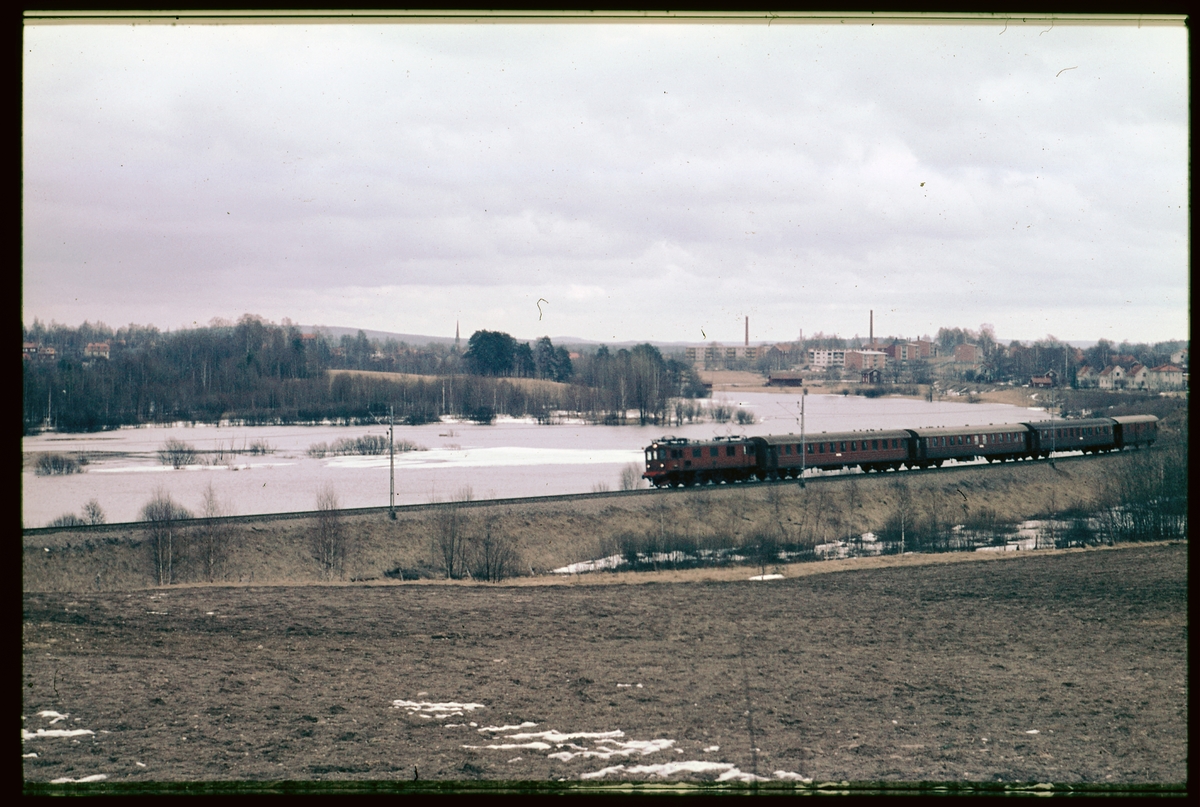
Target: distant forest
[254, 371]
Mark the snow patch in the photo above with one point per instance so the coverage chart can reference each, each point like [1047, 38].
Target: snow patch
[41, 733]
[611, 562]
[727, 771]
[96, 777]
[439, 711]
[525, 725]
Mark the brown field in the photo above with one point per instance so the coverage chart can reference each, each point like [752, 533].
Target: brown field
[527, 384]
[1063, 666]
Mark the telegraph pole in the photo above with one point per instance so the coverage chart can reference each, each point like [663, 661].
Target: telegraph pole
[391, 460]
[391, 463]
[803, 445]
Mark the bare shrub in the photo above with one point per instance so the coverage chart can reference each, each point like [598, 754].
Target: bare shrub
[744, 418]
[494, 555]
[720, 413]
[67, 520]
[329, 545]
[368, 445]
[763, 547]
[177, 453]
[163, 515]
[631, 476]
[600, 487]
[52, 464]
[261, 447]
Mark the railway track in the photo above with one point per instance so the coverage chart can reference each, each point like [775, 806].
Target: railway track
[820, 477]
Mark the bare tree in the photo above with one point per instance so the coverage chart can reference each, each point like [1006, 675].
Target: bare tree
[494, 555]
[162, 515]
[92, 513]
[631, 476]
[329, 535]
[449, 537]
[211, 542]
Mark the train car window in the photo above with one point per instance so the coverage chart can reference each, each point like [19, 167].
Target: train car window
[843, 446]
[712, 451]
[697, 452]
[787, 449]
[875, 445]
[854, 445]
[820, 448]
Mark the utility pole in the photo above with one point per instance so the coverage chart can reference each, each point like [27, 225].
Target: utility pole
[803, 445]
[391, 463]
[391, 460]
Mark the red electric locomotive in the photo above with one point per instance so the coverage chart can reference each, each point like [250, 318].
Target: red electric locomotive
[679, 461]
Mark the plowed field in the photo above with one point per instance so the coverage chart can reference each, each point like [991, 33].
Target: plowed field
[1060, 667]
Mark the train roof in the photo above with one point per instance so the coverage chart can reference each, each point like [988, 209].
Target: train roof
[942, 431]
[1042, 425]
[684, 441]
[781, 439]
[1124, 419]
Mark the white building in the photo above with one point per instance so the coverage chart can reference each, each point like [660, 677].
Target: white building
[827, 358]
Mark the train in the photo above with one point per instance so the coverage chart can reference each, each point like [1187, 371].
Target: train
[680, 462]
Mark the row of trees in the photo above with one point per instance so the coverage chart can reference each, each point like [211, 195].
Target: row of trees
[257, 372]
[186, 547]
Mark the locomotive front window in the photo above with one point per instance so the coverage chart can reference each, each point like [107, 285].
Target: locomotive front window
[712, 452]
[697, 452]
[730, 451]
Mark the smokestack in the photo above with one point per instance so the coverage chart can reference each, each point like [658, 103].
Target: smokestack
[872, 326]
[747, 331]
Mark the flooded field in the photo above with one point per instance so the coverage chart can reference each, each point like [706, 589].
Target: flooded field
[510, 458]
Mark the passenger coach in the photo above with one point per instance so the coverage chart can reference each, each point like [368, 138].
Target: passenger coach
[1008, 441]
[780, 455]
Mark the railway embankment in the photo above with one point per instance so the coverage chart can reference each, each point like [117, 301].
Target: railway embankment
[492, 540]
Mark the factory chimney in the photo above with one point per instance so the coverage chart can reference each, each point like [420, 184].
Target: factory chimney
[872, 328]
[747, 331]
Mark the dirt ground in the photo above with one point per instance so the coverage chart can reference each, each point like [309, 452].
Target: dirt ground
[1054, 667]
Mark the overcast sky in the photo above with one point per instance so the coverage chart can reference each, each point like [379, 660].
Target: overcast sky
[644, 182]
